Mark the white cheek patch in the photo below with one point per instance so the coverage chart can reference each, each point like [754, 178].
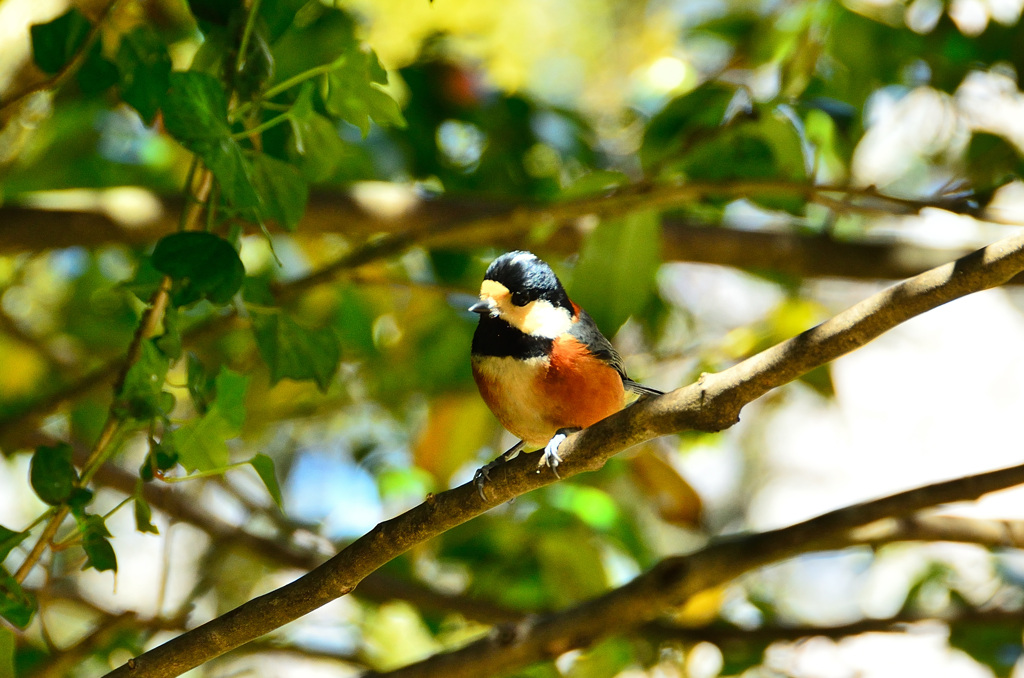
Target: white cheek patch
[541, 319]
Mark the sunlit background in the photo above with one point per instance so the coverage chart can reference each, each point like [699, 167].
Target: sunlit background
[579, 83]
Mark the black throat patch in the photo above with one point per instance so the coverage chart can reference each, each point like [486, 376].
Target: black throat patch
[495, 337]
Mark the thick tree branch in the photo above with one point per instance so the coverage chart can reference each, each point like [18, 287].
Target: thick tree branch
[461, 225]
[446, 221]
[674, 580]
[987, 533]
[711, 404]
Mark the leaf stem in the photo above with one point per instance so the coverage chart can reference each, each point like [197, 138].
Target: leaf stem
[148, 324]
[219, 471]
[296, 79]
[263, 127]
[73, 536]
[243, 45]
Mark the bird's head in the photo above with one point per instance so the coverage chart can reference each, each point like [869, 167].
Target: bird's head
[523, 291]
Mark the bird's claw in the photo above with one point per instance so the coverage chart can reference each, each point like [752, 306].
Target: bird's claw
[551, 458]
[482, 475]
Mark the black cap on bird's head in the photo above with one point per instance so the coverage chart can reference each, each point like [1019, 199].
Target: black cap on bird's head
[520, 296]
[528, 278]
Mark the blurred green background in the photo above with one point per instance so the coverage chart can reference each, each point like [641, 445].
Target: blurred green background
[661, 157]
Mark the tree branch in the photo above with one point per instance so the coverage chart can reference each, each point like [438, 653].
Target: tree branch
[674, 580]
[179, 505]
[446, 219]
[433, 223]
[713, 403]
[723, 634]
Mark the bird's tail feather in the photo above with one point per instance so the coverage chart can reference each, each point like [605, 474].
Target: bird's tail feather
[640, 389]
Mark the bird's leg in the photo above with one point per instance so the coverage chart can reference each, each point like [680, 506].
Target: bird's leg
[551, 459]
[483, 474]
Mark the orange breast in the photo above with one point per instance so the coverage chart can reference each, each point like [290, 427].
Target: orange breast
[534, 398]
[578, 388]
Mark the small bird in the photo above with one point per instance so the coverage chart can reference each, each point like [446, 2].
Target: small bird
[539, 360]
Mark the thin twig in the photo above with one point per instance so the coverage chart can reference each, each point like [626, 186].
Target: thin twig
[148, 325]
[675, 580]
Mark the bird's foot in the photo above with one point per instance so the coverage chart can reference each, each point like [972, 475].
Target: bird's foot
[483, 474]
[551, 458]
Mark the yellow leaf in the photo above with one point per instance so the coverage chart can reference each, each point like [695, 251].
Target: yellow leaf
[458, 425]
[21, 368]
[701, 609]
[674, 498]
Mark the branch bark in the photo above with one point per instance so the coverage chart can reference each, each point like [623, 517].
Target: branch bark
[451, 223]
[713, 403]
[33, 229]
[674, 580]
[766, 634]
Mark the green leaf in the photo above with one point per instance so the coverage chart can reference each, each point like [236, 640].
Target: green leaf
[216, 12]
[196, 114]
[278, 15]
[684, 121]
[142, 395]
[229, 402]
[607, 658]
[264, 466]
[352, 92]
[594, 183]
[96, 73]
[226, 160]
[295, 352]
[144, 516]
[384, 110]
[145, 67]
[54, 44]
[162, 457]
[282, 189]
[52, 474]
[8, 540]
[997, 646]
[16, 604]
[315, 147]
[196, 107]
[169, 342]
[766, 147]
[146, 281]
[615, 277]
[354, 322]
[79, 499]
[206, 265]
[992, 161]
[199, 382]
[96, 542]
[201, 444]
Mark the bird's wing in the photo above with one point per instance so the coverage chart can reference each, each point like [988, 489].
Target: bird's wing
[586, 331]
[640, 389]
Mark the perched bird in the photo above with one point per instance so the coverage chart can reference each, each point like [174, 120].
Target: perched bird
[539, 360]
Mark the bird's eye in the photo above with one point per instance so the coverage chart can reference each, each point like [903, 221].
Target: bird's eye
[519, 298]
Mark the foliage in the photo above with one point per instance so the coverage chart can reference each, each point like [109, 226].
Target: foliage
[257, 344]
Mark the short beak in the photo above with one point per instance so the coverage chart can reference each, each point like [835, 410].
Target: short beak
[482, 306]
